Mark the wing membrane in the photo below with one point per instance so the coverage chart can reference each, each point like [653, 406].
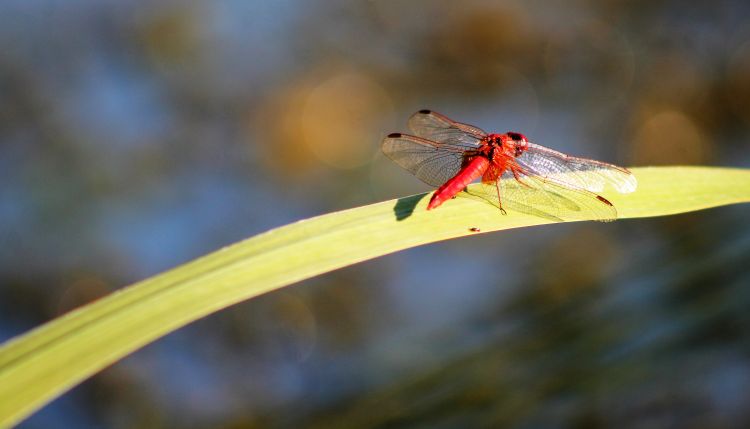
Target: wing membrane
[433, 163]
[434, 126]
[580, 173]
[546, 199]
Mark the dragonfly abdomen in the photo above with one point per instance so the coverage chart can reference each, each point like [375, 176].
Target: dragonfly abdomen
[475, 168]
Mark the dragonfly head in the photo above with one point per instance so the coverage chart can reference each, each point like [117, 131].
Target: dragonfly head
[517, 143]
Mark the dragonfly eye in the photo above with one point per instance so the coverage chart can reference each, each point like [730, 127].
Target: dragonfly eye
[517, 137]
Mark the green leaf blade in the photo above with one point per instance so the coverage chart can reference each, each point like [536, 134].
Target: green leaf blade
[40, 365]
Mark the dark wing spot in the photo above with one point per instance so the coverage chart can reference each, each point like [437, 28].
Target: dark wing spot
[394, 135]
[604, 200]
[425, 111]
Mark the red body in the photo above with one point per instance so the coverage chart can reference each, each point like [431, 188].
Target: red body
[489, 161]
[475, 168]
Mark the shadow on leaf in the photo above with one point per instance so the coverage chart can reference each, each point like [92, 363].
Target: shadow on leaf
[405, 206]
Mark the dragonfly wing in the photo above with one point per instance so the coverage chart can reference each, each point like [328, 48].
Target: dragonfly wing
[433, 163]
[434, 126]
[549, 200]
[572, 172]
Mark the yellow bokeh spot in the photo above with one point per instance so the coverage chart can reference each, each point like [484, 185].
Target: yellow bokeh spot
[340, 117]
[670, 137]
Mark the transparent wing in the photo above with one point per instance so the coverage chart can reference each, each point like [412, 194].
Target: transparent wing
[546, 199]
[434, 126]
[432, 162]
[572, 172]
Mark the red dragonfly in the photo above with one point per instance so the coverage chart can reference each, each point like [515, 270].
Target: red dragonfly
[514, 172]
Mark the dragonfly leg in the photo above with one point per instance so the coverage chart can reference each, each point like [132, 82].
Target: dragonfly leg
[500, 200]
[516, 170]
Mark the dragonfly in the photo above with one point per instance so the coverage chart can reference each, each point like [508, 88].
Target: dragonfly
[514, 173]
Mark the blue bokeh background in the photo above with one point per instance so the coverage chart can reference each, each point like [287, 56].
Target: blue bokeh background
[135, 136]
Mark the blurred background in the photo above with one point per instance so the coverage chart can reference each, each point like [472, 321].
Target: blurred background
[136, 135]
